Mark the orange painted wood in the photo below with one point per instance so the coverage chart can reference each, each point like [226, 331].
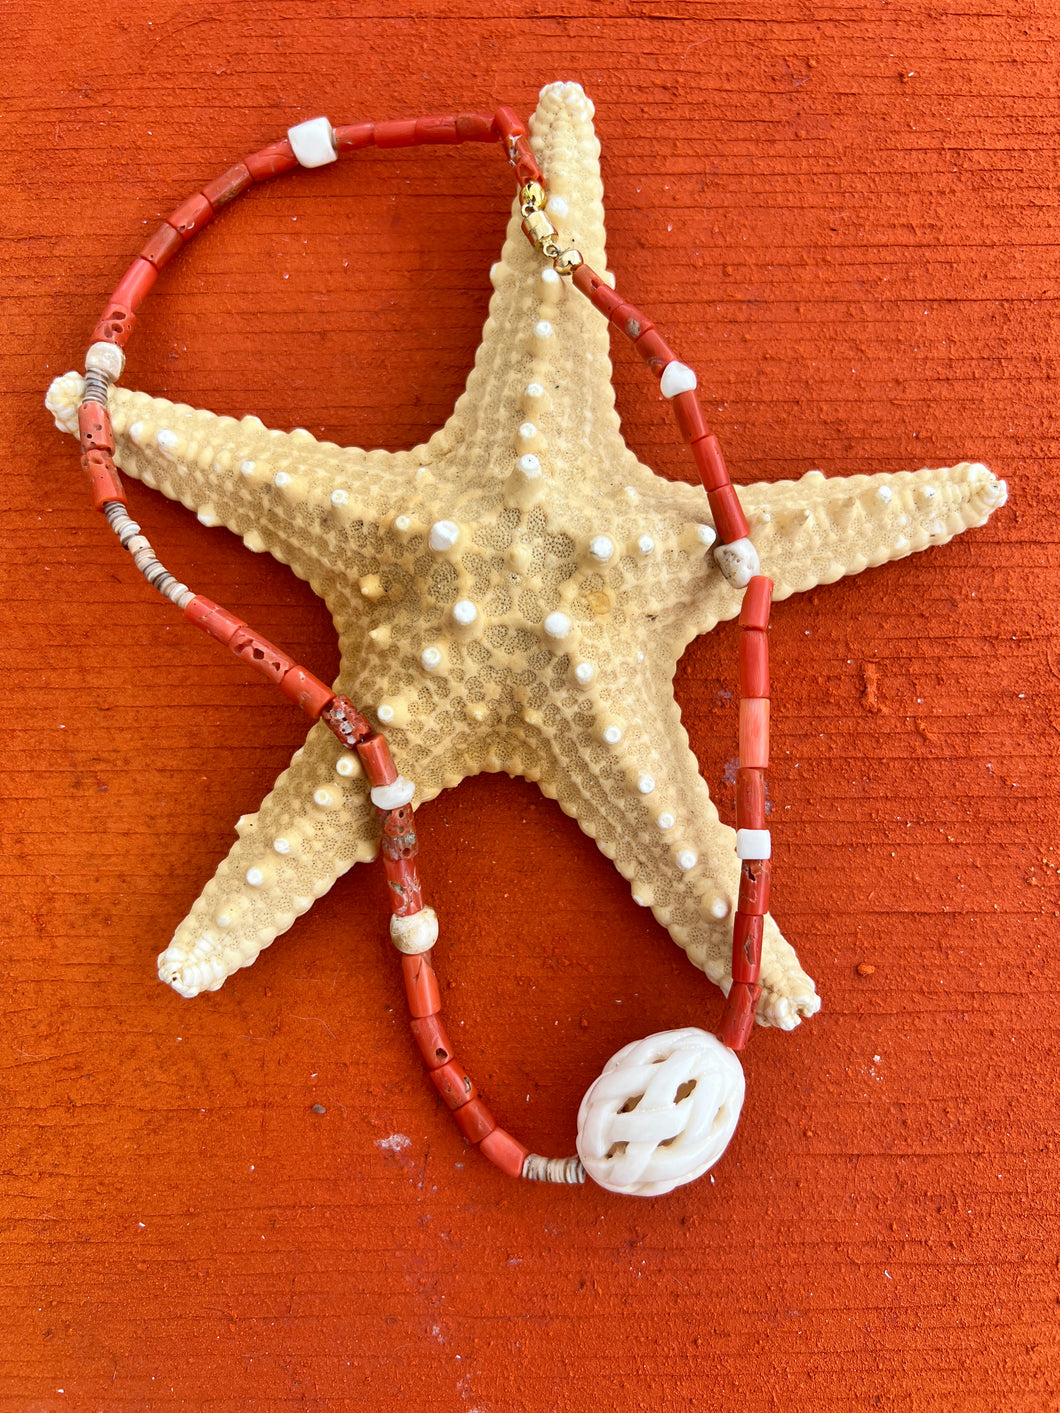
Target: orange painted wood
[844, 218]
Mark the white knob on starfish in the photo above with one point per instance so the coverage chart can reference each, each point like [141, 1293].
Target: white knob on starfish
[661, 1113]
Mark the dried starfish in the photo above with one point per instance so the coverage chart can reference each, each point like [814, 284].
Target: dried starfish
[513, 596]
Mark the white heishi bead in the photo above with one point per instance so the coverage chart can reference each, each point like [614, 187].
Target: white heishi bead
[465, 612]
[414, 934]
[313, 142]
[636, 1136]
[645, 544]
[677, 378]
[686, 859]
[584, 672]
[430, 658]
[601, 548]
[282, 846]
[645, 784]
[613, 735]
[706, 535]
[391, 797]
[346, 765]
[530, 466]
[339, 497]
[557, 625]
[543, 329]
[666, 821]
[402, 523]
[384, 712]
[753, 844]
[255, 877]
[105, 358]
[885, 494]
[738, 561]
[444, 535]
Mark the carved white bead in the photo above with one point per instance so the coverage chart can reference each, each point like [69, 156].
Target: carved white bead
[636, 1136]
[105, 358]
[391, 797]
[753, 844]
[557, 625]
[601, 548]
[677, 378]
[417, 933]
[738, 561]
[313, 142]
[444, 535]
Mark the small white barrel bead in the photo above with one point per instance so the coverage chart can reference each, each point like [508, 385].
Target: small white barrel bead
[677, 378]
[313, 142]
[753, 844]
[391, 797]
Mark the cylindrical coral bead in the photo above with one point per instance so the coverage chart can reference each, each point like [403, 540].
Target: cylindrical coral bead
[93, 423]
[306, 691]
[351, 137]
[228, 186]
[190, 216]
[398, 132]
[162, 246]
[754, 663]
[655, 351]
[474, 1120]
[690, 417]
[738, 1017]
[135, 284]
[271, 161]
[374, 754]
[104, 483]
[747, 946]
[454, 1084]
[421, 985]
[757, 598]
[507, 123]
[115, 325]
[750, 798]
[754, 732]
[505, 1152]
[434, 1043]
[754, 887]
[437, 130]
[729, 519]
[711, 463]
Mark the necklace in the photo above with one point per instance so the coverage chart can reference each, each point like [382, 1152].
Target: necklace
[664, 1108]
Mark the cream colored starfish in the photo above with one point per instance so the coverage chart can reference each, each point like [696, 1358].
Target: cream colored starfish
[513, 596]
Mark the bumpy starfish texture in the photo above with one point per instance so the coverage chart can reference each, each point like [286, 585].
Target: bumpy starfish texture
[513, 596]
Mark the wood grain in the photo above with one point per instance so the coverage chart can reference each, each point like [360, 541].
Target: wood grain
[844, 216]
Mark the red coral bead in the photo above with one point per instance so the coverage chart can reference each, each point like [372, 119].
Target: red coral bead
[421, 986]
[747, 947]
[505, 1152]
[474, 1121]
[757, 599]
[454, 1084]
[738, 1017]
[435, 1045]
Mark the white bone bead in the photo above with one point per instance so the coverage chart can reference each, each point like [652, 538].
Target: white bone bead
[753, 844]
[417, 933]
[677, 378]
[391, 797]
[636, 1136]
[738, 561]
[313, 142]
[105, 358]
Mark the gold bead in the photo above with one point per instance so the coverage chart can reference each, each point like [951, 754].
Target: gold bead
[568, 262]
[532, 196]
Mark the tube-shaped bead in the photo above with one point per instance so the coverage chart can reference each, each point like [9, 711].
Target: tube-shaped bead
[738, 1017]
[454, 1084]
[115, 325]
[306, 691]
[474, 1120]
[655, 351]
[93, 424]
[754, 887]
[190, 216]
[729, 519]
[135, 284]
[374, 754]
[475, 127]
[397, 132]
[271, 161]
[435, 1045]
[228, 186]
[162, 246]
[747, 946]
[104, 483]
[351, 137]
[690, 417]
[505, 1152]
[421, 986]
[754, 663]
[750, 798]
[437, 130]
[710, 463]
[754, 732]
[757, 599]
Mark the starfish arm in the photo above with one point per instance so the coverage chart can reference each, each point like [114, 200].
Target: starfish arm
[312, 827]
[814, 531]
[645, 803]
[283, 492]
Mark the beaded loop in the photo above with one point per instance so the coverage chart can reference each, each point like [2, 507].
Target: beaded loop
[665, 1107]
